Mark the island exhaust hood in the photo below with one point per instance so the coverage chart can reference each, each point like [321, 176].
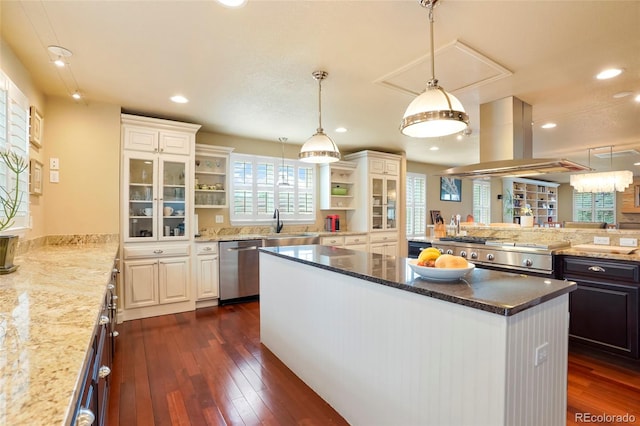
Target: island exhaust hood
[506, 148]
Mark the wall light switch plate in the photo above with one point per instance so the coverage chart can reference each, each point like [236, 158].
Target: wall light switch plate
[54, 163]
[629, 242]
[219, 218]
[54, 176]
[601, 240]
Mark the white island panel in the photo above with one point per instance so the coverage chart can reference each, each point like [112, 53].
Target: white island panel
[383, 356]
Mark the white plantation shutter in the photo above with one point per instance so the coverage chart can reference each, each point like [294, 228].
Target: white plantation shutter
[482, 201]
[255, 191]
[416, 204]
[14, 136]
[598, 207]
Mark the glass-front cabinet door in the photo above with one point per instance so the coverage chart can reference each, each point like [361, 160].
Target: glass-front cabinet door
[156, 196]
[383, 203]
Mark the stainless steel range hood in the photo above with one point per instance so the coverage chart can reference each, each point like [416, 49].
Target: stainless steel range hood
[506, 137]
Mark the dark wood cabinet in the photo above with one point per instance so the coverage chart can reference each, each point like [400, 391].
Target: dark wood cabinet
[605, 308]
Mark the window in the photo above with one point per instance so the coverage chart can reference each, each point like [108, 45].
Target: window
[598, 207]
[416, 204]
[14, 137]
[257, 190]
[482, 201]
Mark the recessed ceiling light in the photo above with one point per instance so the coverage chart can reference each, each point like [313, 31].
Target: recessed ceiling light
[59, 62]
[179, 99]
[434, 148]
[622, 95]
[76, 95]
[637, 99]
[609, 73]
[548, 125]
[341, 130]
[232, 3]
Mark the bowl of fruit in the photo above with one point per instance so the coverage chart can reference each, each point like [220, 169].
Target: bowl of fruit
[434, 266]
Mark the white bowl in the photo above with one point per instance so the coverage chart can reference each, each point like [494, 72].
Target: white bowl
[440, 274]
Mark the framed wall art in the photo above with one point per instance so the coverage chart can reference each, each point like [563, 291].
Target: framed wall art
[35, 177]
[450, 189]
[35, 126]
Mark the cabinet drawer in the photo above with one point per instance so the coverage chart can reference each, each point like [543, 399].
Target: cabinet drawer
[355, 239]
[207, 248]
[156, 251]
[332, 241]
[602, 270]
[383, 237]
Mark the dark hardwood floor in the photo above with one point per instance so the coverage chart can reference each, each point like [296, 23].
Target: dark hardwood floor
[208, 368]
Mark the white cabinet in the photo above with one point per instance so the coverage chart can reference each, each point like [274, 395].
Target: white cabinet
[378, 199]
[207, 271]
[337, 188]
[157, 135]
[211, 181]
[156, 280]
[156, 179]
[530, 197]
[353, 242]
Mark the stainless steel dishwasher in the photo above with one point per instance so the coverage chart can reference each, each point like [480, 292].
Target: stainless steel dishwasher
[239, 270]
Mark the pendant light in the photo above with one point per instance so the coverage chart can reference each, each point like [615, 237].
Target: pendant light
[610, 181]
[319, 148]
[434, 112]
[283, 179]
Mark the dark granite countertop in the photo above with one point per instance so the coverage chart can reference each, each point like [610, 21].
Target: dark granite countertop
[500, 293]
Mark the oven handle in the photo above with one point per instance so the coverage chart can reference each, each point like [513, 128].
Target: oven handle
[596, 268]
[242, 248]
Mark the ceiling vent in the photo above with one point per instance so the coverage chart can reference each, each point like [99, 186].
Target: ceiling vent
[616, 154]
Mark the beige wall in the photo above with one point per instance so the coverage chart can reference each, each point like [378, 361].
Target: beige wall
[86, 140]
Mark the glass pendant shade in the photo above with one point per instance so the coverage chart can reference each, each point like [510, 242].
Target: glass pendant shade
[434, 113]
[319, 148]
[602, 182]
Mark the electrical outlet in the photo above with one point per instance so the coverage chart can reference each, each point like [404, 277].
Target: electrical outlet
[219, 218]
[54, 163]
[629, 242]
[542, 353]
[601, 240]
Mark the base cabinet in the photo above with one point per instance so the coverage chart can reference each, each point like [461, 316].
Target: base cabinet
[207, 272]
[605, 308]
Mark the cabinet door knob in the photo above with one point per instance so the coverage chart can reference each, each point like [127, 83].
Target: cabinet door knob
[158, 251]
[597, 269]
[115, 333]
[110, 286]
[104, 371]
[104, 320]
[207, 248]
[85, 417]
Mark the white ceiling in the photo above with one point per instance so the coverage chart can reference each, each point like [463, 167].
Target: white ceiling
[247, 71]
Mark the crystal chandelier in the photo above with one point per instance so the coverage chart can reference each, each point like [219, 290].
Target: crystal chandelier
[435, 112]
[603, 181]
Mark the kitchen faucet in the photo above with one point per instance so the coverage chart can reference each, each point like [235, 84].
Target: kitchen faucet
[279, 223]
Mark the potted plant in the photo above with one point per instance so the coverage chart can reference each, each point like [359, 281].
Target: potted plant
[10, 199]
[526, 218]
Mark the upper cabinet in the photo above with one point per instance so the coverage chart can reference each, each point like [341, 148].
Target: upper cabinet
[528, 197]
[211, 176]
[378, 195]
[156, 179]
[337, 186]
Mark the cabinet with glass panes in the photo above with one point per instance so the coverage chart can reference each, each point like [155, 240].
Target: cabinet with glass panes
[211, 182]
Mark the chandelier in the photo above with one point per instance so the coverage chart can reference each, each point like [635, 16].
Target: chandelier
[603, 181]
[434, 112]
[319, 148]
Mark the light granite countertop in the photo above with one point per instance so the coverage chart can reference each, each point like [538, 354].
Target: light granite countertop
[500, 293]
[49, 308]
[241, 236]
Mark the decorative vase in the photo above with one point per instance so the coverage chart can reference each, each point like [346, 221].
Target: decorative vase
[8, 245]
[526, 221]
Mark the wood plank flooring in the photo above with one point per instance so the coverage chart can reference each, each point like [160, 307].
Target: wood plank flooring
[208, 368]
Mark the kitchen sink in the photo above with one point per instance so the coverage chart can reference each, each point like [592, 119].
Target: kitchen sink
[291, 239]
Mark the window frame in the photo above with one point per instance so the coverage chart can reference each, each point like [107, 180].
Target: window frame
[594, 209]
[412, 216]
[263, 190]
[14, 136]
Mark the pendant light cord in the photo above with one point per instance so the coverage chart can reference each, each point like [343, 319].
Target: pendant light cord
[320, 105]
[433, 60]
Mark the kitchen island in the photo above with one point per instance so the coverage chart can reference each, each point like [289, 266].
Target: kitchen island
[384, 346]
[49, 309]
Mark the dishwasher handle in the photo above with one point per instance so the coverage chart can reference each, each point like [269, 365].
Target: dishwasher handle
[242, 248]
